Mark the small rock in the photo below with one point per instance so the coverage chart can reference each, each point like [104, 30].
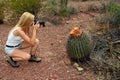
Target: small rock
[75, 64]
[99, 32]
[119, 57]
[68, 71]
[79, 68]
[60, 41]
[67, 22]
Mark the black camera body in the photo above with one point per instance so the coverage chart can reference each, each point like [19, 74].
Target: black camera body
[39, 21]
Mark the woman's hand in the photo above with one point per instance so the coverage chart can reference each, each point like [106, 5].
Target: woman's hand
[36, 26]
[33, 28]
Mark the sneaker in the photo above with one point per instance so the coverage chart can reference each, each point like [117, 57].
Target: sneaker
[12, 62]
[34, 59]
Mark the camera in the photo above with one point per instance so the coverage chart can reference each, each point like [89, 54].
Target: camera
[39, 21]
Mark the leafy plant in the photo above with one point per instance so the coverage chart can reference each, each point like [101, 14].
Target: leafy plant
[20, 6]
[116, 19]
[60, 8]
[1, 12]
[113, 8]
[66, 11]
[53, 8]
[114, 12]
[112, 15]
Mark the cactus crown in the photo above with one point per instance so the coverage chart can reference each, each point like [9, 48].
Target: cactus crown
[76, 32]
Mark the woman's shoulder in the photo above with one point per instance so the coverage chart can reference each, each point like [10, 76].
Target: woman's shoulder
[17, 30]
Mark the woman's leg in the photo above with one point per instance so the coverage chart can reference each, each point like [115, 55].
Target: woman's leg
[33, 48]
[19, 55]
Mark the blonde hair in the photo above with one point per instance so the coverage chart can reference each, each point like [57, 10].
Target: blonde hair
[25, 20]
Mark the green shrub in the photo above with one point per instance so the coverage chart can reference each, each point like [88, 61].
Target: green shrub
[116, 19]
[20, 6]
[66, 11]
[113, 8]
[60, 8]
[53, 7]
[1, 12]
[114, 12]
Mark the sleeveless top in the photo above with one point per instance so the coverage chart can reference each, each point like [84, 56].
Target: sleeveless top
[12, 39]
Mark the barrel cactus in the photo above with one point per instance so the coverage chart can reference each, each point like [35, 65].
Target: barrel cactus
[78, 45]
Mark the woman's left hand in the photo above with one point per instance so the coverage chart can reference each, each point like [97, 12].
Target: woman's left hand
[36, 26]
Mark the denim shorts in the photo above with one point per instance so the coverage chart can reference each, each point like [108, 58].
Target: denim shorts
[9, 50]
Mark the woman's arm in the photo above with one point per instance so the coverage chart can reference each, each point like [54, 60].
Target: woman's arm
[26, 38]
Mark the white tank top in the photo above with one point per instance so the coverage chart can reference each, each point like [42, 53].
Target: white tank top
[12, 39]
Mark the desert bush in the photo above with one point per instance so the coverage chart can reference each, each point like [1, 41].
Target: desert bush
[1, 12]
[118, 1]
[104, 56]
[66, 11]
[60, 8]
[92, 7]
[114, 11]
[101, 8]
[56, 10]
[111, 15]
[20, 6]
[113, 8]
[116, 19]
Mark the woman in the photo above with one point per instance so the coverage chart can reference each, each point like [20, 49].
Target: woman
[22, 36]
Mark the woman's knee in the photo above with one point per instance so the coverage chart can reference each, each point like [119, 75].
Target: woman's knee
[37, 42]
[26, 56]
